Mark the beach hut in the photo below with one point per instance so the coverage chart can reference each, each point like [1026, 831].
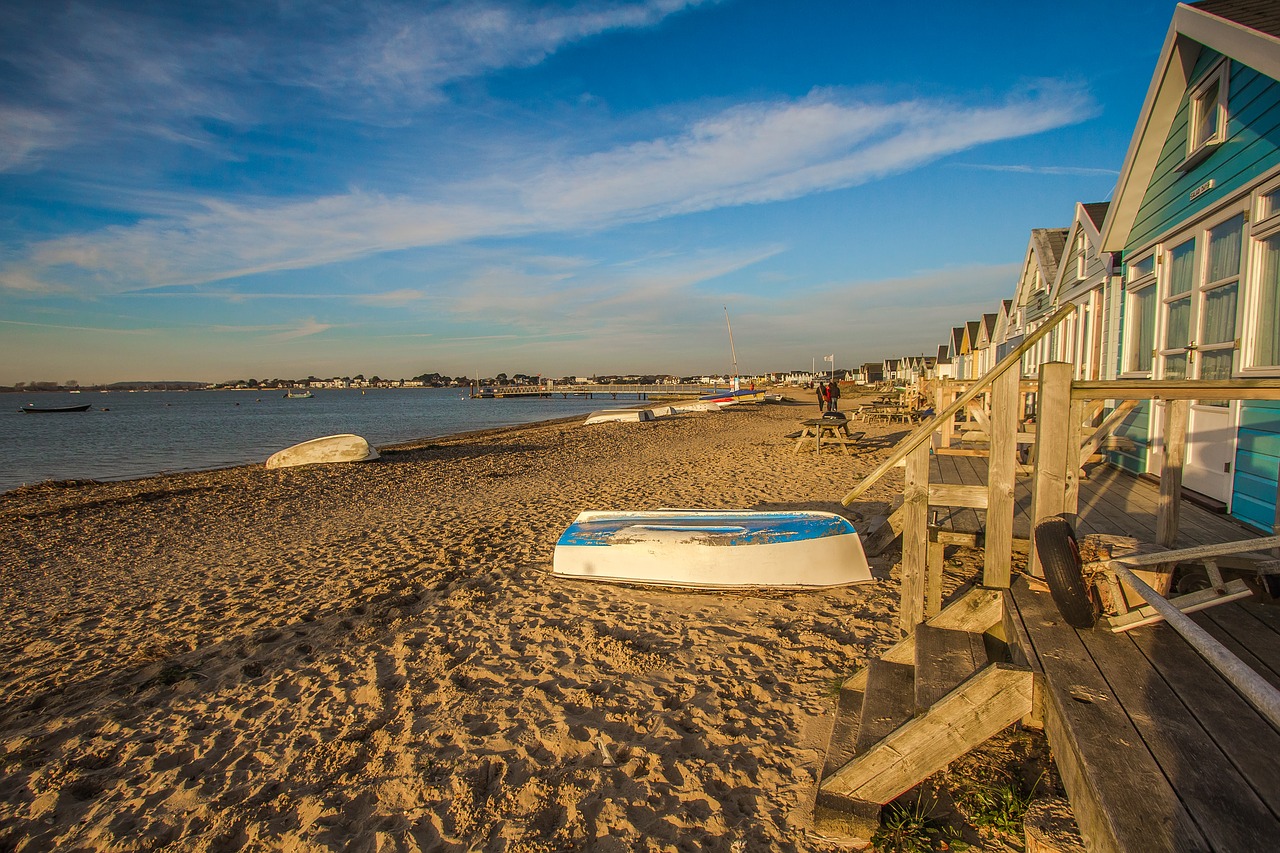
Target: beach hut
[1085, 279]
[1032, 302]
[1196, 218]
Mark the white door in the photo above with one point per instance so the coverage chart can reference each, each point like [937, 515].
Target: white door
[1199, 342]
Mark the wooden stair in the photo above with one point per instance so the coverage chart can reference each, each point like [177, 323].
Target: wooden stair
[931, 698]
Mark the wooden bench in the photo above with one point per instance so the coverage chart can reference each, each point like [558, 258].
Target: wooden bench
[834, 430]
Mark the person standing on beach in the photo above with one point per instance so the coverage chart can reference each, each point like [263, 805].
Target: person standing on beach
[822, 397]
[833, 397]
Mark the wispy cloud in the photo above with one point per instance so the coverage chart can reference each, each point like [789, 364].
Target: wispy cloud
[750, 154]
[1073, 171]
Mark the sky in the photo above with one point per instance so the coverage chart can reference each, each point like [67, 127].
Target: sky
[211, 191]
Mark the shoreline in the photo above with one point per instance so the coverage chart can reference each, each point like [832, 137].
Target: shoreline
[377, 654]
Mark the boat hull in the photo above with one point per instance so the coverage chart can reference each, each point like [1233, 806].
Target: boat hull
[608, 416]
[320, 451]
[54, 410]
[713, 549]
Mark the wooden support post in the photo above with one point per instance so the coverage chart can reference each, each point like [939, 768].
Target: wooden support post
[937, 561]
[1075, 426]
[1054, 452]
[915, 538]
[1001, 475]
[1175, 447]
[945, 395]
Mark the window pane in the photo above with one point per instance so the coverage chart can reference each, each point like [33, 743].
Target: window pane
[1268, 348]
[1175, 366]
[1270, 204]
[1224, 249]
[1220, 315]
[1182, 268]
[1141, 268]
[1216, 364]
[1143, 305]
[1177, 333]
[1206, 115]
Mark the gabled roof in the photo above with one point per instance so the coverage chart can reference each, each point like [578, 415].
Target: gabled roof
[1096, 211]
[987, 329]
[944, 356]
[970, 336]
[1044, 252]
[1248, 31]
[957, 340]
[1086, 222]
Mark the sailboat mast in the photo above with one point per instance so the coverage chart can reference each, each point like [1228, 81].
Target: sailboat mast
[732, 352]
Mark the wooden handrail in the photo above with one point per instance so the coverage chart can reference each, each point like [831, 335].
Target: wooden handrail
[1177, 389]
[926, 429]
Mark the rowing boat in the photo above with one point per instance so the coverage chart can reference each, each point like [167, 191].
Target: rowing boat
[49, 410]
[330, 448]
[717, 549]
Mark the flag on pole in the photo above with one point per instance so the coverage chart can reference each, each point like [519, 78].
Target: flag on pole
[828, 358]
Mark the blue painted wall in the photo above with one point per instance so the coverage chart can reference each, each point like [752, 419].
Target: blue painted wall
[1257, 461]
[1251, 148]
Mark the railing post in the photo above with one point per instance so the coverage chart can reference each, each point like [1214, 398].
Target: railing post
[915, 538]
[1176, 413]
[1053, 456]
[998, 556]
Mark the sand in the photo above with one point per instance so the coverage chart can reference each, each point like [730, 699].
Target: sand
[375, 657]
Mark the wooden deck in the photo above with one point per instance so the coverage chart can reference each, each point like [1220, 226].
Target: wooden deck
[1156, 750]
[1111, 502]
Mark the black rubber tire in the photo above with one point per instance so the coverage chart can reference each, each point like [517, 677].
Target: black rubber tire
[1060, 556]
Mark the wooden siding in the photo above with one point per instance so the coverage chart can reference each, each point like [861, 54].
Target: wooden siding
[1251, 149]
[1257, 462]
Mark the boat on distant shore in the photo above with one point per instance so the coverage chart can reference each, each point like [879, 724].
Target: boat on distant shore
[606, 416]
[33, 409]
[330, 448]
[714, 549]
[298, 395]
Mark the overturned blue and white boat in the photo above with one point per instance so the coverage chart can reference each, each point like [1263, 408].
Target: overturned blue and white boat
[713, 549]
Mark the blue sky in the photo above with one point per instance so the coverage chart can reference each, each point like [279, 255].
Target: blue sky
[221, 190]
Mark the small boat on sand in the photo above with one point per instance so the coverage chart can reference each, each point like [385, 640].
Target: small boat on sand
[714, 549]
[330, 448]
[50, 410]
[608, 416]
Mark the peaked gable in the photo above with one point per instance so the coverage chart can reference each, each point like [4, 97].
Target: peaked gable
[1083, 265]
[1244, 32]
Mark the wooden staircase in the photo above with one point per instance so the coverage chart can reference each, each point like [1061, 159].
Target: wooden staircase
[931, 698]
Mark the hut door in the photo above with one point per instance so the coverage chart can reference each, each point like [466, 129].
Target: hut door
[1199, 342]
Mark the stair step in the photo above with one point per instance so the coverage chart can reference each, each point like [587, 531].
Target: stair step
[844, 734]
[889, 701]
[944, 659]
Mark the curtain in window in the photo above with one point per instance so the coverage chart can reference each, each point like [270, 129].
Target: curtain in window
[1224, 249]
[1220, 315]
[1144, 332]
[1268, 349]
[1182, 268]
[1177, 331]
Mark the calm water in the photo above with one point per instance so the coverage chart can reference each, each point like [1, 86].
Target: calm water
[157, 432]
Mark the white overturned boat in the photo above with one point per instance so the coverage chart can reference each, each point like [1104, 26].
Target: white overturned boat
[317, 451]
[716, 549]
[606, 416]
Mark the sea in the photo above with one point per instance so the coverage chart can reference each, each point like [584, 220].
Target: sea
[126, 435]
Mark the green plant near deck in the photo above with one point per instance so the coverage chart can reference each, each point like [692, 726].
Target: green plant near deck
[913, 828]
[998, 807]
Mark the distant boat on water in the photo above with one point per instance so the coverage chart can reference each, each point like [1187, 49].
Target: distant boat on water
[49, 410]
[298, 395]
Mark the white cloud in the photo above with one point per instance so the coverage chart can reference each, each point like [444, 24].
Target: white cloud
[750, 154]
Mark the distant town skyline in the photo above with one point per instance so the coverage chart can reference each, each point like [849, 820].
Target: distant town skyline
[209, 190]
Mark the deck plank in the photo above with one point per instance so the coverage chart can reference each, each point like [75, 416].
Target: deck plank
[1235, 727]
[1211, 788]
[1121, 798]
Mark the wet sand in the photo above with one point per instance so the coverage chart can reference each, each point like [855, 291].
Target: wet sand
[375, 656]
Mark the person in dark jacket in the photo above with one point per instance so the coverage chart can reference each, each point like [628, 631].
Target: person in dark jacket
[833, 397]
[822, 397]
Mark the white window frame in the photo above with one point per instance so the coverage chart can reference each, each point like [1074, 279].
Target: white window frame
[1133, 285]
[1264, 224]
[1197, 119]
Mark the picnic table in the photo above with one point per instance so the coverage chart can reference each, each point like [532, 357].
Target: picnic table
[834, 430]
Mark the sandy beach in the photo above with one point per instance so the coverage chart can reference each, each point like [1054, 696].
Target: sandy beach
[375, 657]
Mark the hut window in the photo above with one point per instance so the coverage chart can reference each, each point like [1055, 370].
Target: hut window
[1207, 122]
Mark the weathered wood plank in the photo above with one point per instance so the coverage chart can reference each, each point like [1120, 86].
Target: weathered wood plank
[1001, 482]
[987, 703]
[948, 494]
[1234, 726]
[1225, 808]
[889, 701]
[1182, 389]
[1176, 413]
[915, 538]
[944, 659]
[1054, 452]
[1121, 798]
